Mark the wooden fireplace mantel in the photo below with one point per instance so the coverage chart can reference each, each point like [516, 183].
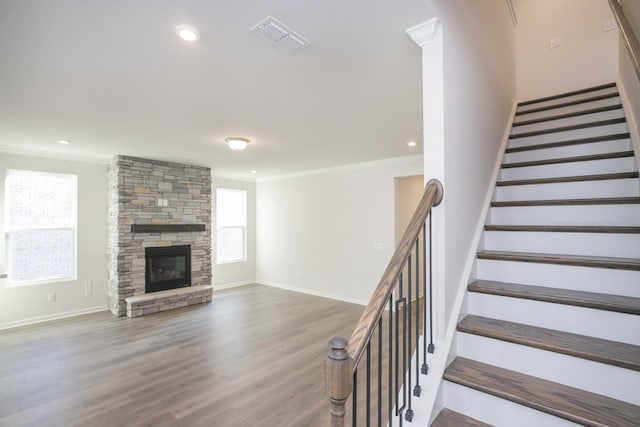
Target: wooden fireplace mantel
[167, 228]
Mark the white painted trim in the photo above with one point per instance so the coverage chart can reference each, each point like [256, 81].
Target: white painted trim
[312, 292]
[233, 285]
[49, 317]
[631, 120]
[438, 365]
[423, 33]
[348, 167]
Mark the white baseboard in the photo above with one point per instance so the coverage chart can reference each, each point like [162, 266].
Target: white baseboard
[312, 292]
[233, 285]
[49, 317]
[631, 119]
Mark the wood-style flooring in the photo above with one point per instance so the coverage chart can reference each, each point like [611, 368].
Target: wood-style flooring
[252, 357]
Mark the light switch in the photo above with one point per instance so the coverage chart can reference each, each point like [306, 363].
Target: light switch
[554, 43]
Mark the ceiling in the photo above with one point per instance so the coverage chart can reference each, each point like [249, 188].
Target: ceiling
[113, 78]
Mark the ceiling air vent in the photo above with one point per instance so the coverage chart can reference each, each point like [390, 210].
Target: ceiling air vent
[279, 35]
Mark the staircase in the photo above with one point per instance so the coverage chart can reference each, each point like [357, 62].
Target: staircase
[552, 334]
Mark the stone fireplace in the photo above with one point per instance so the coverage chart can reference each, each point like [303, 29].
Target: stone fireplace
[159, 234]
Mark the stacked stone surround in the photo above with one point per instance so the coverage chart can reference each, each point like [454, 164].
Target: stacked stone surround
[134, 187]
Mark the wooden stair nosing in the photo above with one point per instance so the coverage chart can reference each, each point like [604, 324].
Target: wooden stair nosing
[566, 402]
[568, 115]
[598, 301]
[449, 418]
[563, 179]
[569, 103]
[566, 94]
[568, 202]
[599, 350]
[564, 228]
[579, 141]
[573, 159]
[570, 128]
[561, 259]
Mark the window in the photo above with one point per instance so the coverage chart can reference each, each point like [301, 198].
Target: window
[40, 224]
[231, 219]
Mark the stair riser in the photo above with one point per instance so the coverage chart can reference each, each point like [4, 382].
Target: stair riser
[615, 282]
[608, 380]
[496, 411]
[592, 167]
[629, 187]
[620, 215]
[578, 320]
[568, 135]
[566, 99]
[571, 109]
[592, 244]
[569, 121]
[569, 151]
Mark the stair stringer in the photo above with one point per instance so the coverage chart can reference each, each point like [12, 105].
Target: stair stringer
[430, 403]
[631, 115]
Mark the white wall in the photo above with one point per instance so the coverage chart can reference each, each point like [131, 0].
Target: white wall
[236, 273]
[586, 57]
[24, 304]
[627, 78]
[461, 148]
[329, 232]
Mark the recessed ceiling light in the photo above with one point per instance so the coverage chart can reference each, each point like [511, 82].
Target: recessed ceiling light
[254, 171]
[237, 143]
[412, 143]
[187, 33]
[64, 141]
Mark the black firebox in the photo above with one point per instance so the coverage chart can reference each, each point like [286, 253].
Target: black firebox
[167, 267]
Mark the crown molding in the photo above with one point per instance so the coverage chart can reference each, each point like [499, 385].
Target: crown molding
[423, 33]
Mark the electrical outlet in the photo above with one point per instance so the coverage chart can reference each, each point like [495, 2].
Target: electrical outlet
[609, 26]
[87, 292]
[51, 297]
[554, 43]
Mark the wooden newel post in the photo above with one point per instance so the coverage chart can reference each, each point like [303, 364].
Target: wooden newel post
[338, 379]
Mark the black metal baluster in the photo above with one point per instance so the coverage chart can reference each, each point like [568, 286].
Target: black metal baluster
[368, 399]
[425, 366]
[431, 347]
[417, 390]
[406, 372]
[390, 351]
[380, 372]
[354, 400]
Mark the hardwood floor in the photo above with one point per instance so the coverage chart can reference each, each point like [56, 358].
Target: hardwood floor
[251, 357]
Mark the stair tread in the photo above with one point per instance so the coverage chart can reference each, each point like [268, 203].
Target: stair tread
[569, 142]
[569, 128]
[573, 159]
[566, 402]
[561, 179]
[569, 115]
[585, 347]
[449, 418]
[565, 228]
[566, 94]
[569, 202]
[569, 103]
[599, 301]
[573, 260]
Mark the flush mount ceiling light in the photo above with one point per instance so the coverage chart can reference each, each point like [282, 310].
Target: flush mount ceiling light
[187, 33]
[411, 143]
[64, 141]
[237, 143]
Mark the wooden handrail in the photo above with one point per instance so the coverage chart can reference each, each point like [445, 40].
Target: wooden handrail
[365, 327]
[630, 38]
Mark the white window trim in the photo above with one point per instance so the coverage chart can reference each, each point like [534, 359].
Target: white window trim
[9, 230]
[242, 226]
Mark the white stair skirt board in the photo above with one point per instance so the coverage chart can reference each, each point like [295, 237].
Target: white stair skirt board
[496, 411]
[590, 244]
[602, 324]
[568, 135]
[591, 167]
[569, 109]
[609, 146]
[626, 187]
[615, 382]
[606, 215]
[565, 99]
[568, 121]
[614, 282]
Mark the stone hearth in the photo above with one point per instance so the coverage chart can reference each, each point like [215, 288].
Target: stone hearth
[144, 194]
